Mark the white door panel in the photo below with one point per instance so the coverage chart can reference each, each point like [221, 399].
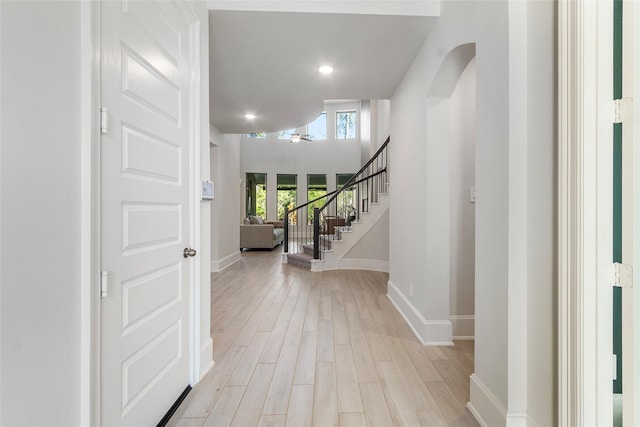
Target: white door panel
[145, 80]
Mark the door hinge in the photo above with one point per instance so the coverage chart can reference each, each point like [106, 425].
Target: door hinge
[104, 283]
[622, 110]
[622, 275]
[104, 120]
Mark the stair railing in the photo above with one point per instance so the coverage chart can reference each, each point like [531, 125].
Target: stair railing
[298, 232]
[347, 204]
[341, 208]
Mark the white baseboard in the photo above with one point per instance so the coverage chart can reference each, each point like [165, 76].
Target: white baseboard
[363, 264]
[463, 326]
[519, 419]
[221, 264]
[206, 358]
[428, 332]
[484, 405]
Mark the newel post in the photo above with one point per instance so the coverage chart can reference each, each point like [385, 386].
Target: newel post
[316, 233]
[286, 229]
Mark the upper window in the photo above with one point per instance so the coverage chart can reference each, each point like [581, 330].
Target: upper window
[285, 134]
[345, 125]
[317, 129]
[260, 135]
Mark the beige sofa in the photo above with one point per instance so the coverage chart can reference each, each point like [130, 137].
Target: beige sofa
[258, 234]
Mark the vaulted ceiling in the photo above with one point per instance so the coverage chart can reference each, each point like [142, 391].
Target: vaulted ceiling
[266, 62]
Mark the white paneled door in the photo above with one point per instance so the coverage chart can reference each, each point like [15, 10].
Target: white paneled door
[146, 72]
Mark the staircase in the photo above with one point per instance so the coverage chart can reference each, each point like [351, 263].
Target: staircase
[305, 257]
[345, 217]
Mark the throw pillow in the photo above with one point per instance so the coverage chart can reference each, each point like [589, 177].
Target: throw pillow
[255, 219]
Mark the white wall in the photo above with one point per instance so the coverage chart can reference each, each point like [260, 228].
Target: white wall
[226, 213]
[373, 246]
[437, 220]
[381, 113]
[40, 188]
[378, 125]
[462, 135]
[498, 390]
[460, 23]
[542, 402]
[330, 157]
[367, 134]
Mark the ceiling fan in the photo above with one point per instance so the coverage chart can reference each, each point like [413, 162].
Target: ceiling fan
[296, 137]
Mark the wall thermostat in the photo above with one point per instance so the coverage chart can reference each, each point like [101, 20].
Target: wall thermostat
[207, 190]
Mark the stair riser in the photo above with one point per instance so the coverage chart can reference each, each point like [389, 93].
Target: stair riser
[300, 259]
[299, 263]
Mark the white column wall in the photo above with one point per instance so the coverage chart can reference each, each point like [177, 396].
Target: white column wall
[542, 404]
[492, 216]
[40, 213]
[204, 249]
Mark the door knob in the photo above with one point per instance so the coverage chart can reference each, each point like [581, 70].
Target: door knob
[189, 252]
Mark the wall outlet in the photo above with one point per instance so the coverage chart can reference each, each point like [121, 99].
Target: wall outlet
[411, 289]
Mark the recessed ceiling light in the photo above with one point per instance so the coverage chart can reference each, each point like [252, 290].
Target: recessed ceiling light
[325, 69]
[249, 116]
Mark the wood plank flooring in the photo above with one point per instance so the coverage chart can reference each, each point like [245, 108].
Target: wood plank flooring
[296, 348]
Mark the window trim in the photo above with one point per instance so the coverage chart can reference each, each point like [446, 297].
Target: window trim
[355, 112]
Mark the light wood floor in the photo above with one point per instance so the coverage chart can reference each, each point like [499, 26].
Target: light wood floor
[296, 348]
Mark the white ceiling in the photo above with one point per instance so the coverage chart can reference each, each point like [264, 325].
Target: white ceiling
[266, 63]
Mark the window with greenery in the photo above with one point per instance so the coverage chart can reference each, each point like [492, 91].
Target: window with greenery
[346, 124]
[317, 129]
[258, 135]
[287, 195]
[316, 187]
[345, 201]
[285, 134]
[257, 194]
